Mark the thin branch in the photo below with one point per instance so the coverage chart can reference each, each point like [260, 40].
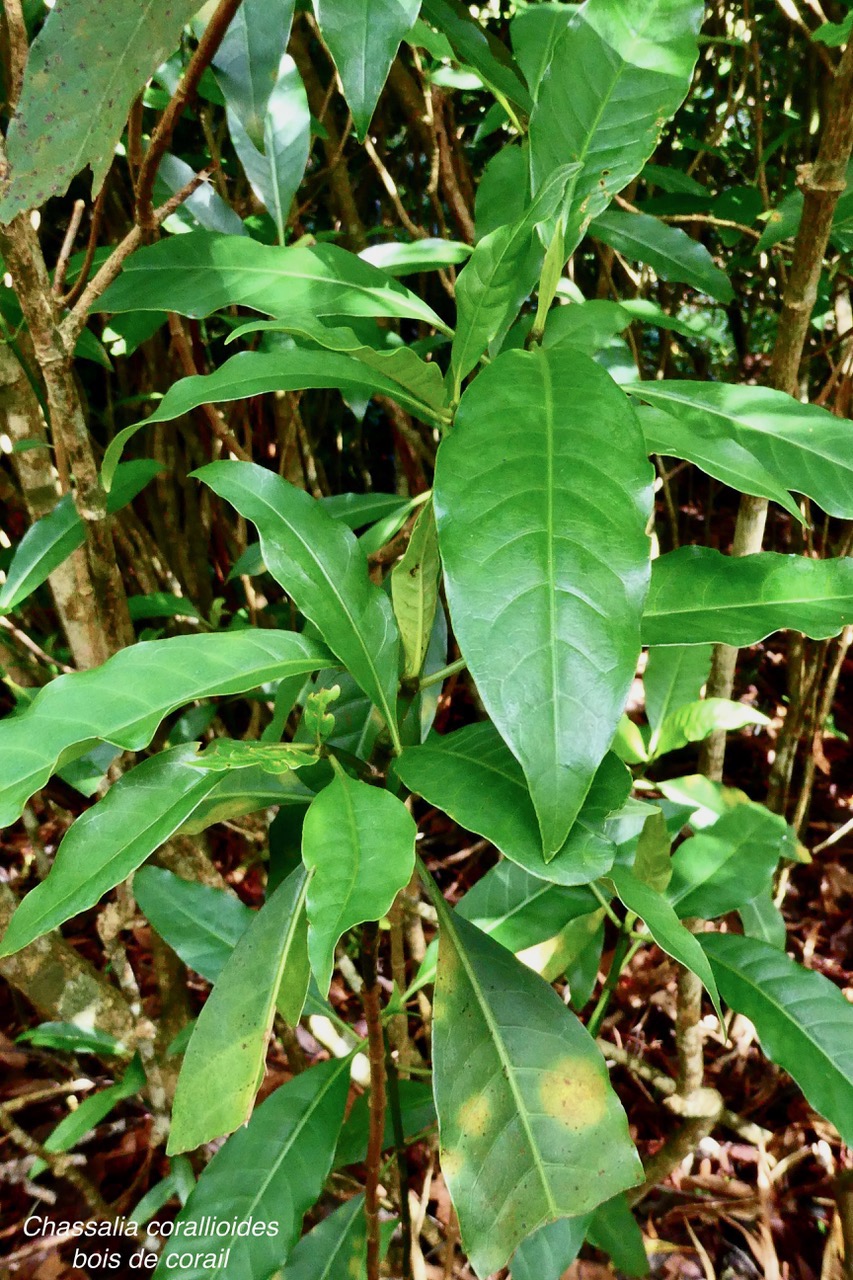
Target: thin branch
[74, 323]
[67, 245]
[214, 33]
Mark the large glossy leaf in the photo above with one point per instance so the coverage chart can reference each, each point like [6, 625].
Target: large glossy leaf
[699, 596]
[472, 775]
[272, 1172]
[201, 924]
[275, 163]
[636, 67]
[359, 841]
[804, 447]
[665, 927]
[53, 538]
[96, 55]
[363, 40]
[224, 1061]
[530, 1128]
[732, 862]
[500, 274]
[414, 592]
[803, 1021]
[542, 494]
[201, 272]
[473, 45]
[252, 373]
[719, 456]
[246, 64]
[671, 252]
[320, 565]
[674, 675]
[124, 700]
[519, 910]
[398, 258]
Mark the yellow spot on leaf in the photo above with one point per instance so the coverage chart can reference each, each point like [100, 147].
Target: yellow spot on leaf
[451, 1163]
[473, 1116]
[575, 1093]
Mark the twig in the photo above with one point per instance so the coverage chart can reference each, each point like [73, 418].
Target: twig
[74, 323]
[402, 1165]
[60, 1165]
[67, 245]
[214, 33]
[91, 245]
[24, 640]
[19, 48]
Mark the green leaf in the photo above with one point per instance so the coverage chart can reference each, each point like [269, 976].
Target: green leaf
[698, 596]
[203, 208]
[803, 1021]
[201, 924]
[671, 253]
[335, 1248]
[161, 604]
[245, 791]
[275, 163]
[252, 373]
[201, 272]
[417, 382]
[553, 1248]
[504, 190]
[90, 1112]
[321, 567]
[359, 841]
[637, 71]
[542, 494]
[124, 700]
[363, 40]
[246, 64]
[535, 32]
[500, 274]
[400, 259]
[67, 1037]
[519, 910]
[694, 721]
[652, 862]
[109, 841]
[805, 448]
[762, 919]
[414, 592]
[665, 927]
[782, 222]
[530, 1128]
[718, 456]
[472, 775]
[417, 1113]
[224, 1062]
[46, 544]
[588, 326]
[614, 1231]
[226, 754]
[478, 48]
[673, 676]
[718, 870]
[97, 56]
[272, 1172]
[52, 539]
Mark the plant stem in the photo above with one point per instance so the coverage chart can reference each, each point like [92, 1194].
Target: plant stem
[370, 996]
[438, 677]
[402, 1164]
[623, 952]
